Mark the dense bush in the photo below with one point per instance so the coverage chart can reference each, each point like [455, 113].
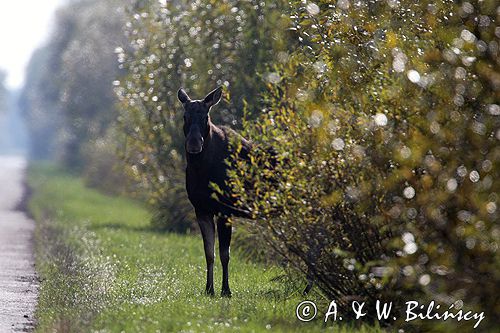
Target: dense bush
[385, 126]
[197, 45]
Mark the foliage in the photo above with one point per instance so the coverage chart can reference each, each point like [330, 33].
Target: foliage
[196, 45]
[384, 124]
[104, 168]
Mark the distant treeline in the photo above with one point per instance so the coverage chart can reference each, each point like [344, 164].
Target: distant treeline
[68, 99]
[13, 136]
[383, 115]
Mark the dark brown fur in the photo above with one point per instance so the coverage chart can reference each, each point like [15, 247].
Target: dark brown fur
[207, 149]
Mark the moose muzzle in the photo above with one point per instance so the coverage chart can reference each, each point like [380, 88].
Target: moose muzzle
[194, 140]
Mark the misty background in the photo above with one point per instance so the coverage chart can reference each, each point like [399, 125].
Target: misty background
[32, 23]
[13, 133]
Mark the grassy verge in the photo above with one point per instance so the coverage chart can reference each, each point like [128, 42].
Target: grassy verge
[103, 269]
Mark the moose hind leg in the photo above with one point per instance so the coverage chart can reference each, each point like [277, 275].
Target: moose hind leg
[224, 231]
[207, 227]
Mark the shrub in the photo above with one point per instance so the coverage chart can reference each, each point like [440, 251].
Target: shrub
[385, 131]
[104, 169]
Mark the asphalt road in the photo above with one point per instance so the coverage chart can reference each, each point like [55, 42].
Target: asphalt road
[18, 282]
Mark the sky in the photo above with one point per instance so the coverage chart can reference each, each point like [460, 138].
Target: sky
[24, 25]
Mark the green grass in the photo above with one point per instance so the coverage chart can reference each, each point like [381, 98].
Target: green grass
[103, 269]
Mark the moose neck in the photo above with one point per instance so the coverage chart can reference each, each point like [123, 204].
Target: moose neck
[200, 158]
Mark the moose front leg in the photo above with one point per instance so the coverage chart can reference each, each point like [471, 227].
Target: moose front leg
[207, 227]
[224, 232]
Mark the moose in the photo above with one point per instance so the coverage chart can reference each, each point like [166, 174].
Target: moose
[207, 148]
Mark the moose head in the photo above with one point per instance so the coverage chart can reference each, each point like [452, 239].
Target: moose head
[197, 119]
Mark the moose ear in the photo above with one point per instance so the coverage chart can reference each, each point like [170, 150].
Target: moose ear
[213, 97]
[182, 96]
